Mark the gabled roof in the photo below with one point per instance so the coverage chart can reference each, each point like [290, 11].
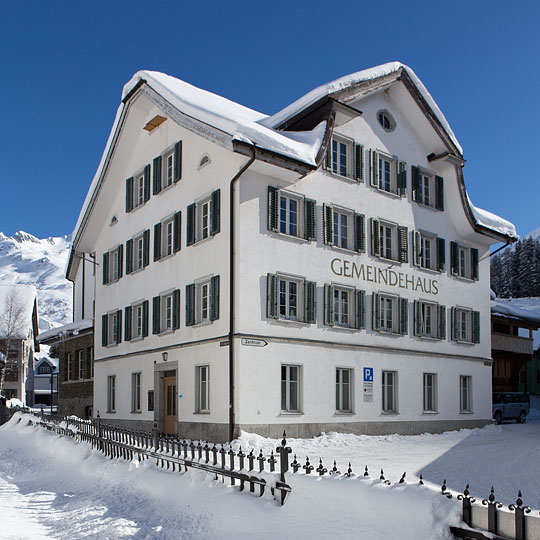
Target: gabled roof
[63, 332]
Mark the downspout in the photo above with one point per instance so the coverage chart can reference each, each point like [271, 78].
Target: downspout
[231, 294]
[508, 242]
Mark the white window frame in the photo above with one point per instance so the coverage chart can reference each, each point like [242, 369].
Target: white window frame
[167, 237]
[111, 393]
[389, 301]
[463, 331]
[426, 186]
[428, 244]
[114, 265]
[203, 219]
[288, 280]
[138, 252]
[69, 358]
[390, 186]
[136, 392]
[344, 400]
[291, 390]
[284, 221]
[167, 168]
[338, 213]
[464, 267]
[138, 189]
[112, 322]
[202, 390]
[342, 166]
[389, 391]
[338, 306]
[391, 252]
[166, 304]
[80, 363]
[137, 321]
[465, 394]
[429, 316]
[429, 394]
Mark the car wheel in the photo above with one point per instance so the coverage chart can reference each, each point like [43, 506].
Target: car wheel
[498, 417]
[522, 416]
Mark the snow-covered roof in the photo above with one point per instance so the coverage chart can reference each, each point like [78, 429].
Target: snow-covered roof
[65, 331]
[520, 308]
[21, 298]
[493, 222]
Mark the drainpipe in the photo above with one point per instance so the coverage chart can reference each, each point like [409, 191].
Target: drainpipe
[499, 249]
[232, 292]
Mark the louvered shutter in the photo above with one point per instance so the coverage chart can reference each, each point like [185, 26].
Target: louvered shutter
[310, 231]
[146, 191]
[453, 323]
[474, 263]
[403, 316]
[441, 254]
[417, 247]
[177, 229]
[178, 161]
[129, 194]
[120, 249]
[454, 258]
[328, 156]
[439, 193]
[403, 244]
[360, 233]
[442, 322]
[328, 225]
[360, 309]
[374, 166]
[310, 301]
[214, 298]
[145, 319]
[127, 323]
[215, 211]
[476, 327]
[402, 178]
[176, 310]
[156, 175]
[190, 239]
[359, 162]
[157, 242]
[104, 330]
[272, 296]
[119, 319]
[190, 304]
[376, 312]
[417, 319]
[329, 305]
[273, 209]
[129, 256]
[156, 315]
[375, 227]
[146, 247]
[415, 183]
[105, 268]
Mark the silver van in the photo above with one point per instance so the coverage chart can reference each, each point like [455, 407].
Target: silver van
[510, 405]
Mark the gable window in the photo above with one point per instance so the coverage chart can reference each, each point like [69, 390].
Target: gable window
[202, 301]
[389, 240]
[167, 168]
[111, 393]
[44, 369]
[291, 214]
[111, 328]
[389, 392]
[167, 236]
[112, 264]
[464, 261]
[428, 251]
[136, 321]
[344, 307]
[343, 228]
[427, 188]
[203, 218]
[429, 320]
[343, 390]
[81, 364]
[345, 158]
[137, 252]
[430, 392]
[290, 388]
[390, 313]
[388, 173]
[386, 120]
[202, 389]
[290, 298]
[465, 393]
[138, 189]
[136, 392]
[465, 325]
[166, 312]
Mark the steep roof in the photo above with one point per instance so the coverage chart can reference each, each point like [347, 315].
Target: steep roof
[22, 299]
[526, 309]
[61, 332]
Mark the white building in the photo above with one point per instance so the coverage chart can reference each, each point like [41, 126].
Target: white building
[319, 269]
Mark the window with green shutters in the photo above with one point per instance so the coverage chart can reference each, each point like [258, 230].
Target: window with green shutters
[167, 168]
[111, 329]
[389, 240]
[390, 314]
[388, 173]
[344, 228]
[427, 188]
[291, 298]
[344, 307]
[138, 189]
[167, 234]
[137, 252]
[202, 301]
[464, 261]
[136, 321]
[203, 218]
[113, 262]
[465, 324]
[429, 320]
[345, 157]
[428, 251]
[166, 312]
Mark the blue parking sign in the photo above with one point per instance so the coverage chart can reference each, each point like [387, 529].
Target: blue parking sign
[368, 374]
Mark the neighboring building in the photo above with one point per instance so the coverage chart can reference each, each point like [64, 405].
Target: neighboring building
[75, 344]
[45, 382]
[18, 331]
[321, 269]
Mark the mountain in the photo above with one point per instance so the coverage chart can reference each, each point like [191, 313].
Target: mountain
[27, 260]
[535, 235]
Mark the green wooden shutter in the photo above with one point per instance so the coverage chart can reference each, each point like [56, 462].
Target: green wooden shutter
[375, 227]
[156, 175]
[178, 161]
[145, 319]
[417, 247]
[119, 319]
[176, 310]
[190, 224]
[441, 254]
[328, 156]
[453, 325]
[190, 304]
[214, 298]
[442, 322]
[403, 316]
[215, 212]
[402, 178]
[454, 258]
[415, 183]
[359, 161]
[476, 327]
[127, 323]
[474, 263]
[328, 225]
[157, 241]
[403, 244]
[177, 229]
[146, 247]
[329, 305]
[120, 249]
[310, 301]
[104, 330]
[417, 319]
[272, 292]
[129, 194]
[310, 230]
[146, 190]
[360, 233]
[105, 268]
[129, 256]
[374, 165]
[273, 209]
[360, 309]
[156, 315]
[439, 193]
[376, 312]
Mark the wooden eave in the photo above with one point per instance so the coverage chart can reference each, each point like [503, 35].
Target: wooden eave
[521, 322]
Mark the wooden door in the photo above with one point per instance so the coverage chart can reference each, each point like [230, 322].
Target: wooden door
[169, 405]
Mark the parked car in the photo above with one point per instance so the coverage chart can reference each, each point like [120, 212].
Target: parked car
[510, 405]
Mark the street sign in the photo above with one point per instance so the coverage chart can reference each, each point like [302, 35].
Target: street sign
[367, 394]
[368, 374]
[254, 342]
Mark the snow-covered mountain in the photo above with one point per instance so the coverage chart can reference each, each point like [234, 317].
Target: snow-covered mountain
[27, 260]
[534, 234]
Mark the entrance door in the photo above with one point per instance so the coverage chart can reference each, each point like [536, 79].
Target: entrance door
[169, 405]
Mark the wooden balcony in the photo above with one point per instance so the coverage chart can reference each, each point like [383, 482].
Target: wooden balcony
[513, 344]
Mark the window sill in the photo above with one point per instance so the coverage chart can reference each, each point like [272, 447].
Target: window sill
[430, 270]
[110, 412]
[166, 257]
[464, 278]
[292, 322]
[386, 259]
[392, 194]
[466, 412]
[136, 412]
[463, 342]
[344, 328]
[300, 239]
[202, 323]
[342, 177]
[111, 345]
[291, 413]
[428, 206]
[136, 270]
[344, 413]
[202, 241]
[389, 413]
[110, 282]
[202, 412]
[429, 338]
[349, 251]
[166, 332]
[428, 413]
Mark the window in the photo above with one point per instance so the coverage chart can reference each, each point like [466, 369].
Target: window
[386, 120]
[112, 264]
[166, 312]
[429, 320]
[138, 189]
[389, 392]
[344, 390]
[290, 298]
[81, 364]
[136, 317]
[464, 261]
[290, 388]
[291, 214]
[202, 301]
[388, 173]
[167, 236]
[202, 390]
[203, 218]
[389, 240]
[137, 252]
[343, 228]
[91, 362]
[135, 392]
[427, 188]
[390, 314]
[428, 251]
[465, 325]
[111, 328]
[465, 393]
[167, 168]
[344, 307]
[44, 368]
[69, 357]
[430, 392]
[345, 158]
[111, 393]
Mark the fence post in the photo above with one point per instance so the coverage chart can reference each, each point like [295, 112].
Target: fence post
[519, 517]
[467, 511]
[283, 452]
[155, 436]
[492, 505]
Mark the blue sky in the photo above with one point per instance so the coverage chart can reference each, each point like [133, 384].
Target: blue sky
[63, 65]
